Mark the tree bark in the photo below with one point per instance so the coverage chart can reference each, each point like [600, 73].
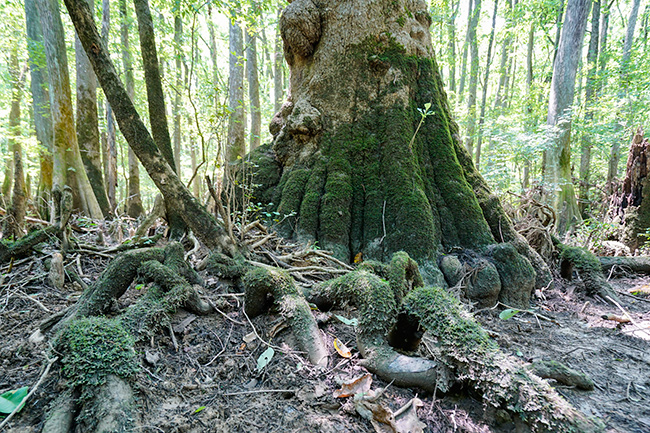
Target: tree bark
[463, 65]
[451, 44]
[88, 126]
[236, 146]
[253, 90]
[347, 167]
[557, 167]
[176, 108]
[486, 75]
[134, 206]
[156, 103]
[40, 103]
[14, 225]
[213, 57]
[278, 77]
[110, 160]
[503, 66]
[176, 194]
[590, 94]
[615, 153]
[473, 77]
[68, 168]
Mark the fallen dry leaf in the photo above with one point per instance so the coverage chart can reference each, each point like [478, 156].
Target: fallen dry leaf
[406, 418]
[358, 385]
[342, 349]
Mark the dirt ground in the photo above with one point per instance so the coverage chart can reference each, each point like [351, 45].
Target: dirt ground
[201, 375]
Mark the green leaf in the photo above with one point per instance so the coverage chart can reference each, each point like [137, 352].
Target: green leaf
[199, 409]
[265, 358]
[508, 314]
[11, 399]
[345, 320]
[427, 106]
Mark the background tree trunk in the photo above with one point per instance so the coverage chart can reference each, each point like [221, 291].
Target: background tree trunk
[253, 90]
[40, 104]
[557, 167]
[14, 225]
[590, 95]
[67, 166]
[176, 108]
[463, 65]
[354, 165]
[473, 77]
[505, 55]
[278, 77]
[88, 125]
[110, 162]
[454, 6]
[236, 147]
[486, 75]
[615, 153]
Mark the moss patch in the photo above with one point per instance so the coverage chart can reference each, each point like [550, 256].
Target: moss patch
[95, 348]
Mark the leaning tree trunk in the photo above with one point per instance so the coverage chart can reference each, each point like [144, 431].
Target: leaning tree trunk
[140, 140]
[355, 166]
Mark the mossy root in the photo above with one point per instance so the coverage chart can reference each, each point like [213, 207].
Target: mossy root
[376, 302]
[503, 381]
[589, 269]
[260, 282]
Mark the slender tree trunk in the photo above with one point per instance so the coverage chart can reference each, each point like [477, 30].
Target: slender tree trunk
[88, 125]
[503, 66]
[40, 103]
[451, 44]
[615, 153]
[473, 77]
[278, 77]
[590, 94]
[68, 168]
[236, 147]
[486, 75]
[253, 90]
[176, 107]
[15, 222]
[213, 57]
[156, 102]
[134, 206]
[557, 169]
[463, 65]
[558, 31]
[175, 193]
[110, 161]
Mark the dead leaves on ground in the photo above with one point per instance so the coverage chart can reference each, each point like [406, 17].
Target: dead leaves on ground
[382, 418]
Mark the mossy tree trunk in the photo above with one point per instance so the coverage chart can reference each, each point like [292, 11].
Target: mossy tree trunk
[354, 162]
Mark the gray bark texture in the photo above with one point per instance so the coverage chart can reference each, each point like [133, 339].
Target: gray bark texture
[236, 145]
[253, 90]
[88, 126]
[557, 168]
[68, 168]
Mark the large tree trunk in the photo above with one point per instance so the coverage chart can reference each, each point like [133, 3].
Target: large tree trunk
[40, 104]
[557, 164]
[88, 126]
[349, 166]
[175, 193]
[68, 168]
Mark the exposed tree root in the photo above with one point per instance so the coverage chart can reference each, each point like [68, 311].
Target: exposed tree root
[260, 282]
[464, 351]
[638, 264]
[97, 353]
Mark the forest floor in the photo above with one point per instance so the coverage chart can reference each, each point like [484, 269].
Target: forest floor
[201, 375]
